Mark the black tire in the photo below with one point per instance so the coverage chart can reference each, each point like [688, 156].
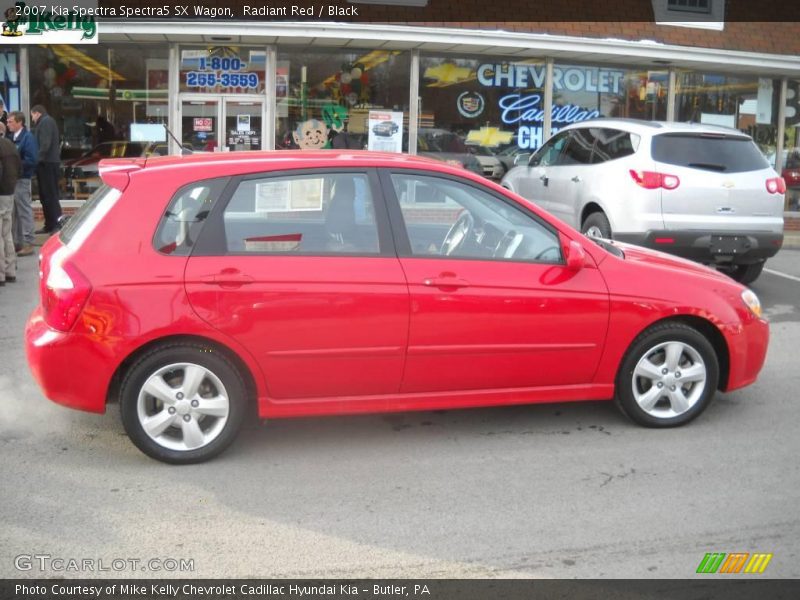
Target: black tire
[599, 222]
[745, 274]
[697, 354]
[213, 414]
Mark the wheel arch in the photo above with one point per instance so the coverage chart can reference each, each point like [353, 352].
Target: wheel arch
[592, 207]
[251, 388]
[710, 331]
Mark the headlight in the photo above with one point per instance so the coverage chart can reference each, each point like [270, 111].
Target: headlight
[752, 302]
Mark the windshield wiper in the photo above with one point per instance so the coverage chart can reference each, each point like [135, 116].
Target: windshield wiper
[709, 166]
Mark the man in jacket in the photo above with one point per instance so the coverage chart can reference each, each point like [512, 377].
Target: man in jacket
[23, 210]
[46, 134]
[10, 168]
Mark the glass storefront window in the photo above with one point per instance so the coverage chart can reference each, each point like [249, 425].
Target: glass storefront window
[223, 70]
[584, 91]
[746, 103]
[9, 79]
[102, 93]
[485, 104]
[790, 163]
[329, 98]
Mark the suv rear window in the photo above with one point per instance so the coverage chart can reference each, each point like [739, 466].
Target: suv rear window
[718, 153]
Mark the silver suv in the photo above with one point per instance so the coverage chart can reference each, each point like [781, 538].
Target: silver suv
[698, 191]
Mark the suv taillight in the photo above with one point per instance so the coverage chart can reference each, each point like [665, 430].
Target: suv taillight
[651, 180]
[64, 292]
[776, 185]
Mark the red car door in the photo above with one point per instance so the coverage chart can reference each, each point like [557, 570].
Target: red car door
[493, 305]
[299, 269]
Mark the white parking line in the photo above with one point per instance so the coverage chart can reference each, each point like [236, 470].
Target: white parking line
[784, 275]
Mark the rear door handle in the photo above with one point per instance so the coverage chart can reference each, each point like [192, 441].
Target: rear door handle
[445, 282]
[544, 179]
[576, 179]
[233, 279]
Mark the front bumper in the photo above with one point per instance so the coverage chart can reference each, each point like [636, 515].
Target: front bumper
[725, 247]
[747, 343]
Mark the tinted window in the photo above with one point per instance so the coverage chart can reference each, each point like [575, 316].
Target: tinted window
[612, 144]
[302, 214]
[719, 153]
[579, 147]
[185, 216]
[447, 218]
[549, 153]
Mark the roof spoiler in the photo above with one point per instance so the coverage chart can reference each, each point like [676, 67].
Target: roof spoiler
[116, 172]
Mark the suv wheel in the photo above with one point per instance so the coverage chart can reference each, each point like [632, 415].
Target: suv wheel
[668, 377]
[182, 403]
[745, 274]
[597, 225]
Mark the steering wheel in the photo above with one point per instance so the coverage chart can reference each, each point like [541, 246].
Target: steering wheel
[458, 233]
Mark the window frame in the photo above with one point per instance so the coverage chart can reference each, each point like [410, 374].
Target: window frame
[213, 239]
[400, 233]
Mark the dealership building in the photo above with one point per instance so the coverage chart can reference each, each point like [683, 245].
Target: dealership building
[244, 82]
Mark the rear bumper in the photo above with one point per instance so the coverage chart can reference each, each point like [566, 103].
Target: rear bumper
[60, 360]
[710, 246]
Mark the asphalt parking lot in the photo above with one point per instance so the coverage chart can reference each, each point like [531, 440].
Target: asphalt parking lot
[563, 490]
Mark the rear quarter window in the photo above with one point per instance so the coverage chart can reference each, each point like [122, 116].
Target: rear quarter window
[185, 216]
[717, 153]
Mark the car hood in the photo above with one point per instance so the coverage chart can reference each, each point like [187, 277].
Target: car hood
[668, 261]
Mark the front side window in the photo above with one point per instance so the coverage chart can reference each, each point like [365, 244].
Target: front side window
[322, 213]
[579, 148]
[550, 152]
[445, 218]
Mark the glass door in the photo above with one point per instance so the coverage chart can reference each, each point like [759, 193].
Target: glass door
[200, 121]
[243, 124]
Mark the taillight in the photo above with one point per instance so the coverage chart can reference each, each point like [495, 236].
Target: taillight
[651, 180]
[776, 185]
[64, 292]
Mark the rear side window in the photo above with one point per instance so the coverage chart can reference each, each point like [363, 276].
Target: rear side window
[613, 144]
[185, 216]
[322, 213]
[717, 153]
[86, 218]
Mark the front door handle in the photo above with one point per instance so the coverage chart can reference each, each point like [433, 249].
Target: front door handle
[445, 282]
[576, 179]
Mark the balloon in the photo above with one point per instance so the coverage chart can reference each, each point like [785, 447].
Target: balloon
[356, 73]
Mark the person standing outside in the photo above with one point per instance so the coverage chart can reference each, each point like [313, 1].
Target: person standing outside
[10, 169]
[23, 210]
[46, 134]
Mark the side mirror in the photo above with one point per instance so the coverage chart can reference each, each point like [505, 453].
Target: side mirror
[576, 256]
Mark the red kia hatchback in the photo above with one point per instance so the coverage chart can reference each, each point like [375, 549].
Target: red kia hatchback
[328, 283]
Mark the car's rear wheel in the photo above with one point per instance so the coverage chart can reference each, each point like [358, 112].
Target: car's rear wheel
[745, 274]
[182, 403]
[596, 225]
[668, 376]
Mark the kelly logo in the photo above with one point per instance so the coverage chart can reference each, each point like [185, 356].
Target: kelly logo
[737, 562]
[61, 24]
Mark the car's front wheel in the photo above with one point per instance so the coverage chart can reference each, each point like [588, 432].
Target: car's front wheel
[668, 377]
[182, 403]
